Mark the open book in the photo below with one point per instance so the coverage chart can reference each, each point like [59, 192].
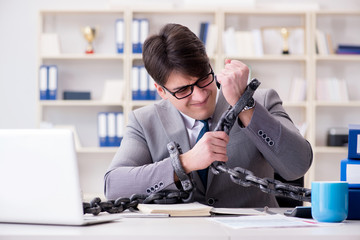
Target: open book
[194, 209]
[184, 209]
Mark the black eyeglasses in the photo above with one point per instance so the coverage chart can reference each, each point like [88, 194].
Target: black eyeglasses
[187, 90]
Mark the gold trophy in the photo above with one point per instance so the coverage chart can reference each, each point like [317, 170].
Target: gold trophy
[89, 34]
[285, 36]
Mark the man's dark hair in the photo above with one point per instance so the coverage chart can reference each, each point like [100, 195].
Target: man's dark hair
[175, 48]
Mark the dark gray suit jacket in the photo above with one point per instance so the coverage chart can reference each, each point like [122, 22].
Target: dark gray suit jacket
[269, 143]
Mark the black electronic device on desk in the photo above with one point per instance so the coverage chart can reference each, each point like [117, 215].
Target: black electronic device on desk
[337, 137]
[300, 212]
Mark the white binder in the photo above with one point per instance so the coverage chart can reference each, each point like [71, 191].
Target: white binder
[43, 82]
[102, 129]
[111, 127]
[53, 82]
[119, 35]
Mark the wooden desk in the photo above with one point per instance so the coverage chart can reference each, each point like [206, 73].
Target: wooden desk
[175, 228]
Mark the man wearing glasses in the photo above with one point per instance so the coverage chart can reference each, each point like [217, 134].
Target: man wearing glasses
[263, 140]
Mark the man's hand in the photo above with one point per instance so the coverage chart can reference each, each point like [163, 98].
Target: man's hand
[211, 147]
[233, 79]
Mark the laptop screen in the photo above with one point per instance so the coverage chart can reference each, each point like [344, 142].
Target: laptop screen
[39, 179]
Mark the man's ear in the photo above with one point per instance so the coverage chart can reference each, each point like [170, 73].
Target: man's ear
[161, 91]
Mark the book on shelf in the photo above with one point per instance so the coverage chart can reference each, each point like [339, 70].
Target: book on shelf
[297, 90]
[77, 95]
[183, 209]
[348, 49]
[211, 44]
[331, 89]
[204, 26]
[323, 43]
[243, 43]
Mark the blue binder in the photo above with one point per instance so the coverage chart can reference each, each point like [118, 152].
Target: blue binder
[136, 35]
[144, 83]
[349, 173]
[111, 129]
[135, 83]
[43, 82]
[119, 35]
[52, 82]
[152, 89]
[144, 32]
[354, 141]
[102, 129]
[119, 127]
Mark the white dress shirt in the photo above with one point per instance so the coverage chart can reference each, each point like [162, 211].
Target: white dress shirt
[193, 128]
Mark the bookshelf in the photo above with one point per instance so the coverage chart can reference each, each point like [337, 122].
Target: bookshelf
[79, 71]
[341, 27]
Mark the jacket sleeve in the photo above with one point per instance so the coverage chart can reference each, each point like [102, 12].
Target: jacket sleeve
[277, 138]
[133, 171]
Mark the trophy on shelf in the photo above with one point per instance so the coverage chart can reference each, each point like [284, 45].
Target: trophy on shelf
[89, 34]
[285, 35]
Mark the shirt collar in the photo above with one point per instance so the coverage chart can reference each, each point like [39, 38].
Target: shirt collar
[191, 122]
[188, 121]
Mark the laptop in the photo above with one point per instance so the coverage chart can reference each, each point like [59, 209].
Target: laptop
[39, 179]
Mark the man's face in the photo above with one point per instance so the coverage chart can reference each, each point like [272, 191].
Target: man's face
[199, 105]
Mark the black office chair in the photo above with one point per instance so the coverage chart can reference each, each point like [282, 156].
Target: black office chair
[289, 202]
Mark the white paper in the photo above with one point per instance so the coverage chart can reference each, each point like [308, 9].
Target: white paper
[237, 211]
[267, 221]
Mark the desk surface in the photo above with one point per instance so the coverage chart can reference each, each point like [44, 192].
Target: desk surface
[176, 228]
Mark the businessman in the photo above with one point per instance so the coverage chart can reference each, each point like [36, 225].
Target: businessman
[263, 139]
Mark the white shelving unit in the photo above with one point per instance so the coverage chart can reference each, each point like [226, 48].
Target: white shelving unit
[80, 71]
[342, 27]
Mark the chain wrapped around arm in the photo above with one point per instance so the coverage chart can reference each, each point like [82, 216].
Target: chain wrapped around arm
[245, 177]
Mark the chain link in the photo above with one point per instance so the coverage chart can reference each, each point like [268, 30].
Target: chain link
[246, 178]
[96, 206]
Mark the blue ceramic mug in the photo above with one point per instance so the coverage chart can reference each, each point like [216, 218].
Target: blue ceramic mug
[329, 201]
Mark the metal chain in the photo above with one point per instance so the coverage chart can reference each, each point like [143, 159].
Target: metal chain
[96, 206]
[238, 175]
[266, 185]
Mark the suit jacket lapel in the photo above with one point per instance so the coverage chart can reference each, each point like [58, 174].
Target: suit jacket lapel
[175, 129]
[173, 124]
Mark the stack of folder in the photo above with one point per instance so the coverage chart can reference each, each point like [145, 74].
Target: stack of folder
[48, 80]
[350, 172]
[143, 87]
[140, 31]
[110, 128]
